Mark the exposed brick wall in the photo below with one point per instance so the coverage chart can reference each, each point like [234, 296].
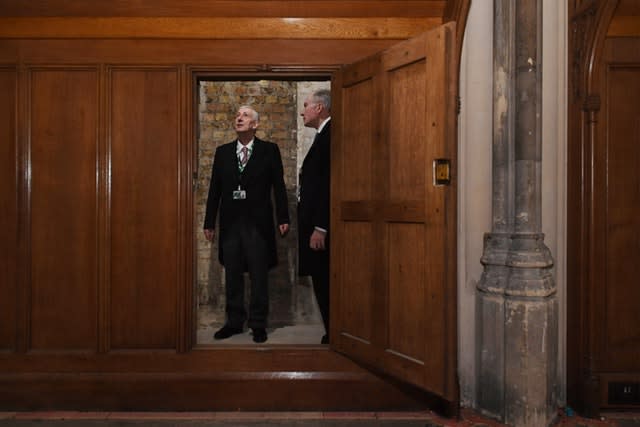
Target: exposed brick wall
[277, 102]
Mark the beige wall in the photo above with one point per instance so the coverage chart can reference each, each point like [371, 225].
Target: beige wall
[474, 191]
[554, 160]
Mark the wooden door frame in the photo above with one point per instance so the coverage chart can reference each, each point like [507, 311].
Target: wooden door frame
[588, 26]
[322, 354]
[225, 73]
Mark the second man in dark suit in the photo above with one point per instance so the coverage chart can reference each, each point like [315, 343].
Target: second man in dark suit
[244, 174]
[313, 204]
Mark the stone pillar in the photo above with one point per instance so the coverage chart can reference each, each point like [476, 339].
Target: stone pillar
[517, 307]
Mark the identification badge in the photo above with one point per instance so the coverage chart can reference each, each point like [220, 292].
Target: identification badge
[239, 194]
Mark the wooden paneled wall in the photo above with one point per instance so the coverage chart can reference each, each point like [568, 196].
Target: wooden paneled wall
[95, 207]
[8, 209]
[60, 228]
[96, 159]
[603, 346]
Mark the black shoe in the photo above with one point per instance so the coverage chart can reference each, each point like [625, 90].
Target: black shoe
[226, 331]
[259, 335]
[325, 339]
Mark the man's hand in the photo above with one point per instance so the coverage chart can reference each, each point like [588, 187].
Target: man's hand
[209, 234]
[316, 242]
[284, 229]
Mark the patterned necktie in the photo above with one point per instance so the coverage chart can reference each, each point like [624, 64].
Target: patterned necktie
[244, 158]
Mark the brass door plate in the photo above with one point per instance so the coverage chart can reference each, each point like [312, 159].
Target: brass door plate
[441, 172]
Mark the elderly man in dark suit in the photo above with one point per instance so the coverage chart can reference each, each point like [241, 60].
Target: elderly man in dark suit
[245, 173]
[313, 204]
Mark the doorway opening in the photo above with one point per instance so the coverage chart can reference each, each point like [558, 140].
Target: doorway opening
[293, 313]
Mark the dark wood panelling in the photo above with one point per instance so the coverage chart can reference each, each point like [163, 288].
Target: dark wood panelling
[216, 28]
[603, 345]
[406, 82]
[8, 208]
[63, 226]
[205, 359]
[354, 239]
[621, 200]
[615, 322]
[225, 8]
[173, 391]
[407, 294]
[269, 378]
[359, 243]
[580, 380]
[357, 211]
[406, 210]
[145, 139]
[141, 186]
[628, 8]
[625, 26]
[626, 22]
[357, 167]
[261, 55]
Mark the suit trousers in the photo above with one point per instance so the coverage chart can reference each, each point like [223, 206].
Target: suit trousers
[320, 280]
[245, 249]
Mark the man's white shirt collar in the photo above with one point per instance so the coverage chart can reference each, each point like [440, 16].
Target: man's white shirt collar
[239, 145]
[323, 123]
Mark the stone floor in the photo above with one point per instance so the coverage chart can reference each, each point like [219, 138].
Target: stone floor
[468, 418]
[292, 334]
[302, 327]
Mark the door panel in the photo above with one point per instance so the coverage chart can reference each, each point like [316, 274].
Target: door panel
[8, 209]
[401, 260]
[353, 158]
[63, 215]
[358, 240]
[406, 291]
[621, 333]
[356, 177]
[406, 128]
[144, 218]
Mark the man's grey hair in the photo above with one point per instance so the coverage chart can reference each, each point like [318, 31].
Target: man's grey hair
[323, 96]
[256, 116]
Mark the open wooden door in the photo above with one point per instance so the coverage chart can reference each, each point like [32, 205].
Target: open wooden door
[393, 213]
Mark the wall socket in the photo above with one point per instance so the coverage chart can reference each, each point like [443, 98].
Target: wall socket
[624, 393]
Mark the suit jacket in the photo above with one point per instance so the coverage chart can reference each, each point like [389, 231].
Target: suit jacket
[313, 207]
[262, 174]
